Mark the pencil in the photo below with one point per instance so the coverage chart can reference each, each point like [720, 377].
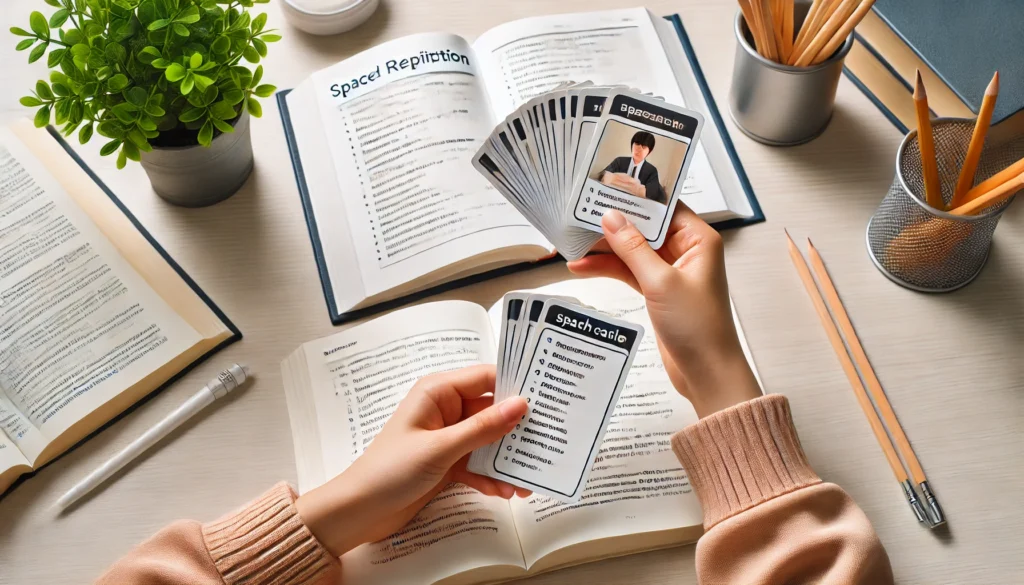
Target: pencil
[868, 373]
[755, 33]
[966, 179]
[818, 13]
[995, 180]
[824, 34]
[993, 197]
[812, 12]
[926, 144]
[787, 30]
[768, 27]
[839, 37]
[777, 22]
[851, 375]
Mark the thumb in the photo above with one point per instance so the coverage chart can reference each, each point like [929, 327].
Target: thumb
[632, 248]
[483, 428]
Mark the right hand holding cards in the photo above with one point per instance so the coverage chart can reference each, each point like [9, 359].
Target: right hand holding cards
[566, 157]
[570, 363]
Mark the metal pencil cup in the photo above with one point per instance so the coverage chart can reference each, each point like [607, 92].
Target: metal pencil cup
[923, 248]
[777, 104]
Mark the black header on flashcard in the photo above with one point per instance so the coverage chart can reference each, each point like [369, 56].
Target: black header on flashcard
[654, 116]
[514, 307]
[592, 105]
[535, 310]
[588, 326]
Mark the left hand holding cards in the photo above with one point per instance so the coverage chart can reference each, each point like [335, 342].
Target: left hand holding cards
[566, 157]
[571, 370]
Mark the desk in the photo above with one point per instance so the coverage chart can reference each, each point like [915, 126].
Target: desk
[950, 363]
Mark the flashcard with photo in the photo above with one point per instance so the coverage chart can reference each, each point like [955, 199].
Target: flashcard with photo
[636, 163]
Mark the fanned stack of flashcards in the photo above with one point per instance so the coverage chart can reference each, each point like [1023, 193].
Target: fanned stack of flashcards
[570, 363]
[564, 158]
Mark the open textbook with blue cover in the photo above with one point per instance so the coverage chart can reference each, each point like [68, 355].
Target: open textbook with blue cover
[382, 145]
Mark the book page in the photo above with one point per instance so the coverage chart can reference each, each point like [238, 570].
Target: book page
[526, 58]
[77, 324]
[358, 378]
[637, 485]
[402, 121]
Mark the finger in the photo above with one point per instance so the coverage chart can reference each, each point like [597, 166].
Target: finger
[607, 265]
[631, 246]
[469, 382]
[474, 405]
[687, 231]
[483, 428]
[523, 492]
[484, 485]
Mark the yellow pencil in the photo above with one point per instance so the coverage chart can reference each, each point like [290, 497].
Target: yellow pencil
[966, 180]
[824, 35]
[993, 197]
[926, 144]
[839, 37]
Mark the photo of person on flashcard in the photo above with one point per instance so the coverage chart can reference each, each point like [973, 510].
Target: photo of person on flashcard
[634, 174]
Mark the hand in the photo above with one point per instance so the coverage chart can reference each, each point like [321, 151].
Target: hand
[423, 447]
[687, 297]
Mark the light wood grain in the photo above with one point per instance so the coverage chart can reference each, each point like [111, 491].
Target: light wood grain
[949, 363]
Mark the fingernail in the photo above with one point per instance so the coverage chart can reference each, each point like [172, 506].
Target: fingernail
[511, 408]
[613, 221]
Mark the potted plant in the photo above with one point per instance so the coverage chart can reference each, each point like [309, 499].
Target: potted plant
[162, 80]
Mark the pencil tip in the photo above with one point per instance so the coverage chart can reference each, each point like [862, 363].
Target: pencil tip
[810, 244]
[919, 91]
[993, 86]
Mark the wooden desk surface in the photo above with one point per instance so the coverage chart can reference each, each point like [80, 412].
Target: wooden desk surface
[951, 364]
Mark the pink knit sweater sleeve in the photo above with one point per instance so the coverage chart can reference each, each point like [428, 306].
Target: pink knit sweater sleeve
[264, 543]
[768, 518]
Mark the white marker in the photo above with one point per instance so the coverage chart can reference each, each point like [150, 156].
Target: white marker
[219, 387]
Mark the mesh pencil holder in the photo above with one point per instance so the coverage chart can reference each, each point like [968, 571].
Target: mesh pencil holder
[927, 249]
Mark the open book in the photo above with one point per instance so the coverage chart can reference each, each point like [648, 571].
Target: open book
[342, 389]
[382, 146]
[93, 314]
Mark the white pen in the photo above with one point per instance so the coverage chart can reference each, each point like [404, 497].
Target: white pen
[225, 382]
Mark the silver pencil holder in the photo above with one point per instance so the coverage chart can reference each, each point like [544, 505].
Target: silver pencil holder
[777, 104]
[927, 249]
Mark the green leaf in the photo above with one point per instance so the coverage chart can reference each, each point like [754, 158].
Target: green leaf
[255, 109]
[30, 101]
[136, 96]
[42, 117]
[43, 90]
[103, 73]
[187, 84]
[223, 126]
[258, 23]
[202, 81]
[58, 18]
[125, 112]
[54, 3]
[265, 90]
[222, 110]
[206, 134]
[175, 72]
[37, 22]
[110, 129]
[131, 151]
[195, 60]
[189, 16]
[37, 52]
[26, 43]
[256, 76]
[122, 159]
[73, 36]
[138, 139]
[115, 52]
[149, 54]
[80, 50]
[20, 32]
[261, 47]
[161, 63]
[181, 30]
[155, 111]
[60, 89]
[251, 55]
[206, 66]
[117, 82]
[85, 133]
[55, 57]
[270, 38]
[109, 148]
[158, 24]
[61, 111]
[234, 96]
[220, 46]
[192, 114]
[147, 123]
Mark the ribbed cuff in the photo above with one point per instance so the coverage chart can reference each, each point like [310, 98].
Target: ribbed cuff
[743, 456]
[266, 542]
